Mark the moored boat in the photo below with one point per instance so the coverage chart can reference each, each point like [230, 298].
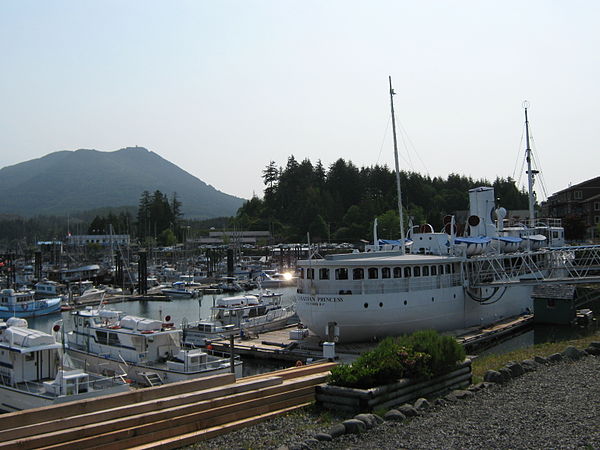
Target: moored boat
[149, 351]
[23, 304]
[239, 315]
[34, 373]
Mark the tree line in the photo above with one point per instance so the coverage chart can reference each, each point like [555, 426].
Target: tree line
[339, 203]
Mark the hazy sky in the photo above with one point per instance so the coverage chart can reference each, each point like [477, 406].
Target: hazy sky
[220, 88]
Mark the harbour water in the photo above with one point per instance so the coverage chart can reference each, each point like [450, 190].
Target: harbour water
[199, 308]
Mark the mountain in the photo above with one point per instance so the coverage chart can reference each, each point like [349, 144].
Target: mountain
[73, 181]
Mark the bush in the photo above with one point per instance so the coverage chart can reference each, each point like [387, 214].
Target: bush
[420, 355]
[444, 351]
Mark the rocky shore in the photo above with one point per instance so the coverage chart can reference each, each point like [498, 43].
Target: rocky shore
[544, 403]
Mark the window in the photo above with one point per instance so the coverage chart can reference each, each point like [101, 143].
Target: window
[113, 339]
[433, 270]
[397, 272]
[310, 274]
[578, 195]
[341, 273]
[385, 272]
[441, 268]
[596, 219]
[324, 274]
[425, 271]
[302, 273]
[373, 273]
[417, 271]
[101, 337]
[596, 206]
[407, 272]
[358, 274]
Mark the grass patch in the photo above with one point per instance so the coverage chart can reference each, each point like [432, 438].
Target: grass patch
[493, 362]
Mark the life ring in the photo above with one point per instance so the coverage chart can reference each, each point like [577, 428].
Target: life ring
[299, 363]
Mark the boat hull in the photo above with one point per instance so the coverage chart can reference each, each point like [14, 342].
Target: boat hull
[367, 317]
[32, 309]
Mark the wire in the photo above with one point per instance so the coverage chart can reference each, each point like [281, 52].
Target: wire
[387, 127]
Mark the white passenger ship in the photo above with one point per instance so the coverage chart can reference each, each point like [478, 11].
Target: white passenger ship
[445, 282]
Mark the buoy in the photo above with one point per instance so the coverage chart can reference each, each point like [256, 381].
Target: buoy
[299, 363]
[209, 347]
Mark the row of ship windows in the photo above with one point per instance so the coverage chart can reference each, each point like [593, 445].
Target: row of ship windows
[375, 273]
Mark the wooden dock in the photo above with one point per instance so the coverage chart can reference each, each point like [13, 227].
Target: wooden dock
[167, 416]
[278, 344]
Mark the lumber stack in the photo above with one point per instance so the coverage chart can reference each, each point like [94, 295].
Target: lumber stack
[166, 416]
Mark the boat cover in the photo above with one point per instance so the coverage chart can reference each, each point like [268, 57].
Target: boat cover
[140, 323]
[26, 337]
[473, 240]
[508, 239]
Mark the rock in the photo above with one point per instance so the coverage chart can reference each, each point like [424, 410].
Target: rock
[506, 375]
[283, 447]
[368, 420]
[515, 368]
[593, 350]
[540, 360]
[493, 376]
[439, 402]
[408, 410]
[323, 437]
[555, 358]
[300, 446]
[354, 426]
[595, 344]
[337, 430]
[394, 415]
[422, 404]
[489, 384]
[461, 394]
[311, 443]
[529, 365]
[572, 353]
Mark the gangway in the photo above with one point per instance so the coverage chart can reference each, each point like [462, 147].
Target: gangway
[572, 265]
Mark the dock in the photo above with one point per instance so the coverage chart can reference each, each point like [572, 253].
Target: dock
[279, 346]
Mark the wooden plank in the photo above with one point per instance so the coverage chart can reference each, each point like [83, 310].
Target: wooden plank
[300, 371]
[209, 433]
[142, 437]
[138, 408]
[210, 408]
[78, 407]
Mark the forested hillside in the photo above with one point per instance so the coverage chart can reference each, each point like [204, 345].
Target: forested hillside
[339, 203]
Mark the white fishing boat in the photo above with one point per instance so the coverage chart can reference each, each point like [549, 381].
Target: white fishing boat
[149, 351]
[23, 304]
[442, 282]
[239, 315]
[48, 289]
[34, 372]
[178, 291]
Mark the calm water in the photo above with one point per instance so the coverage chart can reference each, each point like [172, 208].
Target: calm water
[199, 308]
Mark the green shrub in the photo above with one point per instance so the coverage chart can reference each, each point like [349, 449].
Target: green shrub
[444, 351]
[420, 355]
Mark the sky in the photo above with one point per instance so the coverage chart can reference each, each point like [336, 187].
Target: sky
[221, 88]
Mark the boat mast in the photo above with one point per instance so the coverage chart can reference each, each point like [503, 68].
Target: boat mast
[530, 172]
[402, 243]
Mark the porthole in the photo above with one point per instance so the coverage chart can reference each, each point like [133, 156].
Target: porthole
[366, 305]
[405, 302]
[454, 295]
[432, 299]
[381, 304]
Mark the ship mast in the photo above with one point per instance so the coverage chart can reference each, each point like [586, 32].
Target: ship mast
[530, 172]
[402, 243]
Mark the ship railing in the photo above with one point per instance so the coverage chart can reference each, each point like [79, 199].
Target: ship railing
[566, 263]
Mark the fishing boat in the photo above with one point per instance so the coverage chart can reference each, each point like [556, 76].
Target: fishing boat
[23, 304]
[148, 351]
[239, 315]
[34, 371]
[441, 281]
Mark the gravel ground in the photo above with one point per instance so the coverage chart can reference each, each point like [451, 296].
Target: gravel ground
[557, 406]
